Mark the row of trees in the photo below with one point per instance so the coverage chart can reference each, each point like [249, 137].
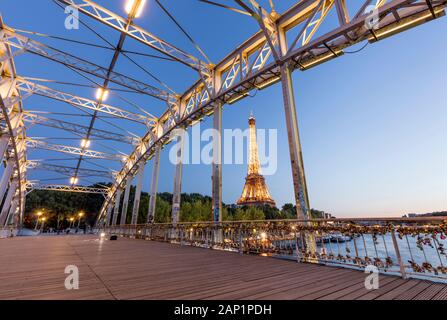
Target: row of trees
[59, 207]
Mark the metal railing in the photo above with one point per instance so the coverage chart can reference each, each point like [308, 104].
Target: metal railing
[7, 233]
[409, 247]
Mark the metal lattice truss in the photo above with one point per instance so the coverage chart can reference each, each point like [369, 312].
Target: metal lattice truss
[28, 88]
[120, 24]
[253, 66]
[295, 38]
[24, 44]
[12, 142]
[68, 171]
[37, 119]
[77, 189]
[39, 144]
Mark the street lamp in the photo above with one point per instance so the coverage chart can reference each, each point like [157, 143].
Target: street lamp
[37, 220]
[80, 215]
[43, 223]
[71, 222]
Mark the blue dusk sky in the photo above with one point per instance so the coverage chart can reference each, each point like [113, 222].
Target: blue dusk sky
[372, 123]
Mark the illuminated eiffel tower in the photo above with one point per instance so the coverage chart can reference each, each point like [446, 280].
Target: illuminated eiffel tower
[255, 190]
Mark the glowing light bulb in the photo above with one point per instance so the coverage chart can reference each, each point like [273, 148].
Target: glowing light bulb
[102, 94]
[130, 4]
[85, 143]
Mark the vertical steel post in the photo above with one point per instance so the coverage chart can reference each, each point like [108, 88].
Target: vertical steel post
[176, 198]
[296, 156]
[136, 201]
[125, 201]
[217, 164]
[109, 214]
[293, 134]
[403, 273]
[5, 179]
[4, 141]
[154, 185]
[12, 213]
[8, 201]
[117, 206]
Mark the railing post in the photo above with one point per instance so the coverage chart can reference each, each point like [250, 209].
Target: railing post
[241, 243]
[399, 258]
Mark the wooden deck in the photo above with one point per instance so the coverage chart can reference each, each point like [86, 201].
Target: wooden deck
[33, 268]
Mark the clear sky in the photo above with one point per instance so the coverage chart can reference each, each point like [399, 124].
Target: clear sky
[372, 123]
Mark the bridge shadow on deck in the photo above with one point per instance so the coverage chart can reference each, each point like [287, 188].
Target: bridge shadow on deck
[33, 268]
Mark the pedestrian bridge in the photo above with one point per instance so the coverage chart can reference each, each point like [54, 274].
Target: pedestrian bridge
[276, 259]
[137, 269]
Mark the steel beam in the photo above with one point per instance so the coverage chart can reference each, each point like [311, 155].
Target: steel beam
[177, 194]
[76, 128]
[118, 23]
[29, 87]
[4, 141]
[125, 202]
[20, 42]
[6, 177]
[68, 171]
[109, 214]
[8, 202]
[136, 201]
[31, 143]
[154, 185]
[64, 188]
[251, 66]
[217, 164]
[296, 156]
[117, 207]
[13, 214]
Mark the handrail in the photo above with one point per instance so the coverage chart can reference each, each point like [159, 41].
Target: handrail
[409, 247]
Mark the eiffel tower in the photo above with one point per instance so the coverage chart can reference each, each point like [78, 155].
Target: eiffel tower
[255, 190]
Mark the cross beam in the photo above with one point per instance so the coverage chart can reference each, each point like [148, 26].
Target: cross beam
[118, 23]
[81, 130]
[36, 144]
[63, 188]
[67, 171]
[29, 87]
[25, 44]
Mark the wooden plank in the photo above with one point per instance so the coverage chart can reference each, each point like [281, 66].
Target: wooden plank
[413, 292]
[137, 269]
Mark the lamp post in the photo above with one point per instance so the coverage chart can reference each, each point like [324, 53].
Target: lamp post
[71, 222]
[80, 215]
[43, 223]
[37, 220]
